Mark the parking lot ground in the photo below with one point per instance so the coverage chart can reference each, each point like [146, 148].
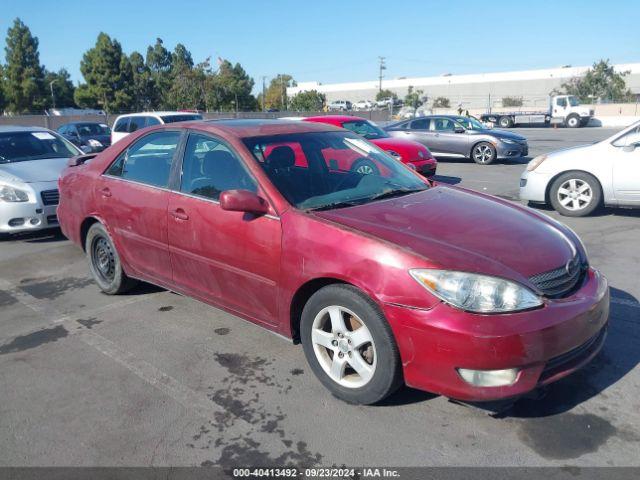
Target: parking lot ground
[154, 378]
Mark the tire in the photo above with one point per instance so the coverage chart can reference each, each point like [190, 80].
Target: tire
[505, 122]
[483, 153]
[575, 194]
[4, 236]
[365, 167]
[327, 333]
[573, 121]
[104, 262]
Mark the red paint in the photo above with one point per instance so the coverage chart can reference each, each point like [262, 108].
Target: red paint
[412, 153]
[253, 265]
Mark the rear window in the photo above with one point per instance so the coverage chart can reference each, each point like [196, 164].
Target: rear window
[121, 125]
[181, 118]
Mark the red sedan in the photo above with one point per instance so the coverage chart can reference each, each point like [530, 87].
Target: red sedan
[384, 278]
[414, 154]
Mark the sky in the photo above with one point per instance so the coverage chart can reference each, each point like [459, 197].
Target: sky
[340, 41]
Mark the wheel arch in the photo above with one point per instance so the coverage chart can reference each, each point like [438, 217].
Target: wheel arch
[482, 140]
[84, 230]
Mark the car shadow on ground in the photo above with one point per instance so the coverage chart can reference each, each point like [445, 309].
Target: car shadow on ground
[618, 357]
[503, 161]
[601, 212]
[40, 236]
[447, 179]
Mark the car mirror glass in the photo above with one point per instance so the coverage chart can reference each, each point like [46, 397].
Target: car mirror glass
[629, 148]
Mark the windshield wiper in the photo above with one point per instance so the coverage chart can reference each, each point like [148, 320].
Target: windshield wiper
[331, 206]
[395, 193]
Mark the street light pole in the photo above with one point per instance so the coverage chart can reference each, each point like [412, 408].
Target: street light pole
[53, 97]
[382, 67]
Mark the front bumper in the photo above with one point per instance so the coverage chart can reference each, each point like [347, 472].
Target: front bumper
[544, 344]
[511, 150]
[18, 217]
[425, 167]
[533, 186]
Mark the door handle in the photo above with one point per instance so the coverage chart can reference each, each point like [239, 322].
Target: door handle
[105, 192]
[180, 214]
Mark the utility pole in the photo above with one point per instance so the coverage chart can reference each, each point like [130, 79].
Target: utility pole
[263, 92]
[53, 97]
[382, 67]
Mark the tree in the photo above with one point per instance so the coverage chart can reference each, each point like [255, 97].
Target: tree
[2, 89]
[414, 99]
[108, 75]
[63, 88]
[601, 82]
[143, 92]
[232, 88]
[24, 76]
[385, 94]
[159, 61]
[308, 101]
[276, 94]
[187, 83]
[441, 102]
[512, 101]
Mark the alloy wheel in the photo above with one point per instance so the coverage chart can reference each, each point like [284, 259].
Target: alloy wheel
[344, 346]
[364, 169]
[575, 194]
[483, 154]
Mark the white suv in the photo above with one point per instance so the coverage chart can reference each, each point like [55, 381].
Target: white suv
[126, 124]
[340, 105]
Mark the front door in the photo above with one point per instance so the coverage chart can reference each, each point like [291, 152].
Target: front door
[133, 197]
[445, 138]
[625, 152]
[228, 258]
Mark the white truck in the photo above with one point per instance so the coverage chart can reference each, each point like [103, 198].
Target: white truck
[565, 109]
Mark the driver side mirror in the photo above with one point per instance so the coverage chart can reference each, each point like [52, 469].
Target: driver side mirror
[629, 148]
[459, 130]
[243, 201]
[86, 148]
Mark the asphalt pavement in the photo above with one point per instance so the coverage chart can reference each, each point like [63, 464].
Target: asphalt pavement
[155, 378]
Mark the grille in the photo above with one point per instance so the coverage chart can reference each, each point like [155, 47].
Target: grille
[52, 219]
[561, 281]
[50, 197]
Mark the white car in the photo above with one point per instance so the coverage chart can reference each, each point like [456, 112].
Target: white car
[31, 159]
[340, 105]
[126, 124]
[363, 105]
[578, 180]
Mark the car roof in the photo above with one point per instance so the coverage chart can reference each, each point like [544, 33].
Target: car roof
[335, 118]
[158, 114]
[255, 127]
[83, 123]
[20, 128]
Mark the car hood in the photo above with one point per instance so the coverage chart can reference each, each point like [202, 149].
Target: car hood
[404, 147]
[496, 132]
[457, 229]
[42, 170]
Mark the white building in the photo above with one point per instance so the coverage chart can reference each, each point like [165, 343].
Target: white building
[471, 91]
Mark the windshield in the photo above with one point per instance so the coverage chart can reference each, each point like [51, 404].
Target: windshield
[181, 118]
[573, 101]
[470, 123]
[24, 146]
[366, 129]
[93, 129]
[326, 170]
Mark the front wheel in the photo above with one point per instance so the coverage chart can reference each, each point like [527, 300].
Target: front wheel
[104, 262]
[573, 121]
[483, 153]
[349, 345]
[575, 194]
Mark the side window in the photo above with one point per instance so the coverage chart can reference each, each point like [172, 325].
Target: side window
[562, 102]
[442, 125]
[421, 124]
[121, 125]
[62, 130]
[148, 160]
[136, 123]
[152, 121]
[209, 168]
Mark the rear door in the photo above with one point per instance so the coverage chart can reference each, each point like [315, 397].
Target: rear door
[227, 258]
[417, 130]
[133, 195]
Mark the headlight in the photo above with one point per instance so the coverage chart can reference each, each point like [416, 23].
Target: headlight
[508, 140]
[476, 293]
[11, 194]
[535, 163]
[395, 155]
[94, 143]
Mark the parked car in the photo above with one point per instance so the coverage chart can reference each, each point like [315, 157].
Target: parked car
[31, 159]
[455, 135]
[363, 105]
[384, 279]
[414, 154]
[565, 109]
[340, 105]
[88, 136]
[576, 181]
[129, 123]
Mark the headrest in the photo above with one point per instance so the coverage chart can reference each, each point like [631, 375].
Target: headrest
[282, 157]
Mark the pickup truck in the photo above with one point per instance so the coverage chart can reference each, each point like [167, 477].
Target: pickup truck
[565, 109]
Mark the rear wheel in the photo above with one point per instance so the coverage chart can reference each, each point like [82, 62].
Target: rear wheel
[349, 345]
[505, 122]
[483, 153]
[575, 194]
[104, 262]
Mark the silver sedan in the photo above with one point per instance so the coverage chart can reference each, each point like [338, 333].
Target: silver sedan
[576, 181]
[454, 135]
[31, 160]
